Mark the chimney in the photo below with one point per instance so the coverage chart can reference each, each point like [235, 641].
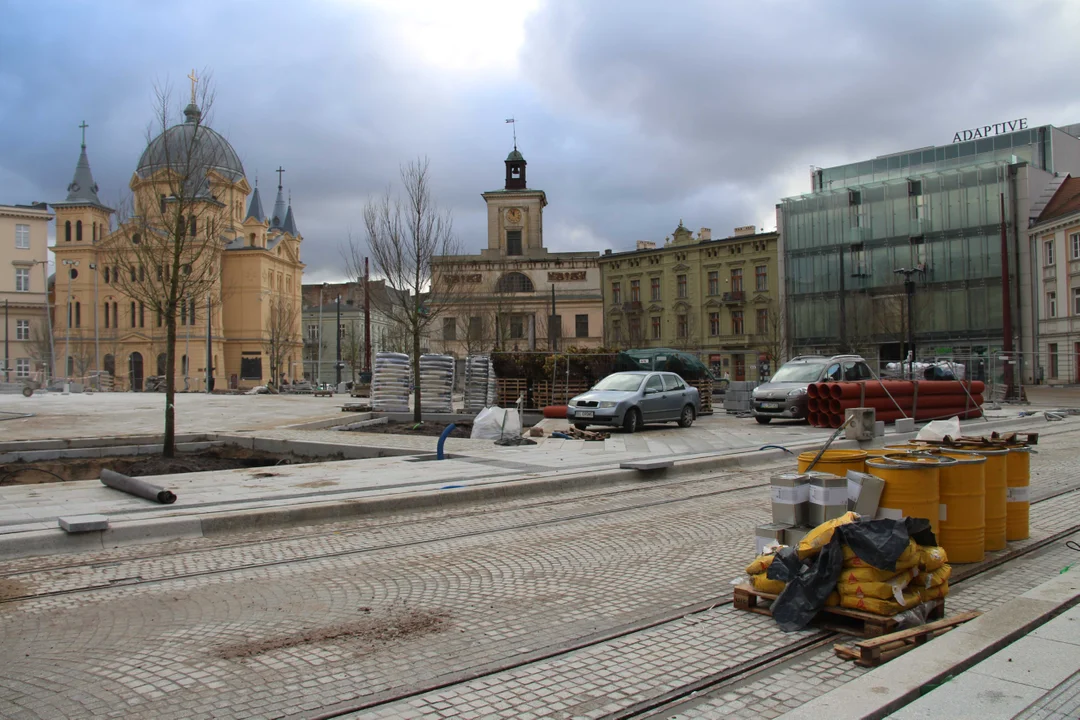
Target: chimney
[608, 251]
[705, 234]
[646, 245]
[745, 230]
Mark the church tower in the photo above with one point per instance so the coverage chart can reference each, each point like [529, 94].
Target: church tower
[81, 219]
[515, 214]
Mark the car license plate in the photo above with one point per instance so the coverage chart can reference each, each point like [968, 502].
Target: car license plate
[770, 406]
[584, 414]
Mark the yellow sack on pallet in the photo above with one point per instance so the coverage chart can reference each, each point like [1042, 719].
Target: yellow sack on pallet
[762, 562]
[867, 574]
[891, 588]
[878, 606]
[833, 600]
[820, 536]
[935, 578]
[932, 557]
[934, 593]
[762, 583]
[908, 559]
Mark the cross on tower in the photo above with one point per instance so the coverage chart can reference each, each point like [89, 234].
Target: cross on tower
[279, 171]
[194, 79]
[84, 126]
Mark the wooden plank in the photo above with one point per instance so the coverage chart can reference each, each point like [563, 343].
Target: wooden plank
[920, 630]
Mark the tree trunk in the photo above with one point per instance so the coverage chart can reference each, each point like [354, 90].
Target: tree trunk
[169, 443]
[416, 371]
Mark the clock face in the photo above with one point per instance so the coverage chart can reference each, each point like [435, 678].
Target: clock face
[513, 216]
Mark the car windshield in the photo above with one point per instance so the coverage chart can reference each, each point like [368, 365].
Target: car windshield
[625, 383]
[803, 372]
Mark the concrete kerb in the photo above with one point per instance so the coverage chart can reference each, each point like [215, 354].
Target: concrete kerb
[888, 688]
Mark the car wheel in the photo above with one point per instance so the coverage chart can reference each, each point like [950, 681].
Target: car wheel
[687, 417]
[632, 421]
[580, 426]
[762, 420]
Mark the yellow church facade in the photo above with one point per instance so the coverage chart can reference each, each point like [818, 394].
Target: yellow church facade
[237, 274]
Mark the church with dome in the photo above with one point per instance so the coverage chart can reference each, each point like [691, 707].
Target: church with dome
[196, 231]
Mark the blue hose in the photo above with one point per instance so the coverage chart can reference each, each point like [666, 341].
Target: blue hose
[442, 440]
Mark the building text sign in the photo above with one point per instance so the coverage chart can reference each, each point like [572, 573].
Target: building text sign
[576, 276]
[990, 130]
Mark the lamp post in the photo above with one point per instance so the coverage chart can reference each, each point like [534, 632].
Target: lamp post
[97, 341]
[337, 365]
[51, 365]
[909, 290]
[318, 369]
[71, 265]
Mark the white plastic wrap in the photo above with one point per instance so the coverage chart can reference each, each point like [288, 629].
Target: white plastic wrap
[493, 423]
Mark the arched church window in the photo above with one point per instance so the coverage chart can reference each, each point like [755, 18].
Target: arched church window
[193, 226]
[514, 282]
[136, 239]
[78, 231]
[67, 231]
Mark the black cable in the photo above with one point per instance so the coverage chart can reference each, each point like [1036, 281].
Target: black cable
[5, 477]
[1072, 545]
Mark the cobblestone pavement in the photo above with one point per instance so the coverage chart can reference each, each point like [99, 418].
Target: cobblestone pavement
[154, 650]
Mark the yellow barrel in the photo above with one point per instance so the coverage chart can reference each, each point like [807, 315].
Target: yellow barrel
[837, 462]
[996, 492]
[883, 452]
[963, 502]
[1017, 505]
[911, 487]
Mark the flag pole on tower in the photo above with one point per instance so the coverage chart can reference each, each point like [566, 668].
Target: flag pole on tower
[511, 121]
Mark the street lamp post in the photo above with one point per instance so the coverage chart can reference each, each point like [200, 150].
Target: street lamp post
[71, 265]
[909, 290]
[97, 341]
[318, 369]
[50, 367]
[337, 365]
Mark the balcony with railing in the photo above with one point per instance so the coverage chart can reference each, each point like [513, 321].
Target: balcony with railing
[735, 297]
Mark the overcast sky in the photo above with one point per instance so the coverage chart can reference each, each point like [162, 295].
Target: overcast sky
[632, 115]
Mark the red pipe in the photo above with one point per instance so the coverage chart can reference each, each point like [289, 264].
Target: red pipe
[812, 391]
[836, 420]
[811, 403]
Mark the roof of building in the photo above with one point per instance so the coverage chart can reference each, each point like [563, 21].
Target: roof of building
[289, 225]
[1064, 202]
[608, 255]
[82, 190]
[278, 217]
[172, 149]
[255, 207]
[515, 156]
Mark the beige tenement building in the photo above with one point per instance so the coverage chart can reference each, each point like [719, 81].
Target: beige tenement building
[249, 311]
[502, 298]
[24, 241]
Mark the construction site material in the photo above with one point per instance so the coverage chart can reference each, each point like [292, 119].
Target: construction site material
[137, 487]
[790, 498]
[861, 426]
[766, 535]
[912, 487]
[555, 411]
[479, 382]
[836, 462]
[828, 497]
[1017, 503]
[864, 493]
[390, 382]
[874, 652]
[893, 400]
[495, 423]
[83, 523]
[996, 488]
[437, 383]
[962, 529]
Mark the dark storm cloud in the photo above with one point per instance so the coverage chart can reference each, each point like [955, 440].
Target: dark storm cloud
[632, 115]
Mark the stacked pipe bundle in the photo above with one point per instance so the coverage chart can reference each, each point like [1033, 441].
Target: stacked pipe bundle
[437, 383]
[390, 382]
[479, 383]
[893, 400]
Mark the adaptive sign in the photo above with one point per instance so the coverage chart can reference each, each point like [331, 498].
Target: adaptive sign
[991, 130]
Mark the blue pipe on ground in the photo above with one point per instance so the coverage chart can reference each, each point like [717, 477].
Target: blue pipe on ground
[442, 441]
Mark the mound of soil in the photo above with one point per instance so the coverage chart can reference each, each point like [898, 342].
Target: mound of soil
[461, 430]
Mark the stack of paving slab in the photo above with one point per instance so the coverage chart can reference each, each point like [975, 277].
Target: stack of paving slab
[437, 383]
[738, 398]
[390, 382]
[479, 383]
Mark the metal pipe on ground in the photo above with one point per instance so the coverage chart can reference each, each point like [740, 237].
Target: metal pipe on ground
[139, 488]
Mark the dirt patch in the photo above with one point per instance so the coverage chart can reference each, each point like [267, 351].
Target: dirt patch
[398, 626]
[462, 430]
[317, 484]
[224, 458]
[12, 589]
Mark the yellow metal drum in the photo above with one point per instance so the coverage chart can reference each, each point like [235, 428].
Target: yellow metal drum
[912, 486]
[996, 492]
[1017, 505]
[963, 514]
[837, 462]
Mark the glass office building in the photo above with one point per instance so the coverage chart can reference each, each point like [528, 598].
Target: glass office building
[936, 210]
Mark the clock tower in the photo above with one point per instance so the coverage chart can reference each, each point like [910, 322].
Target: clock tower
[515, 215]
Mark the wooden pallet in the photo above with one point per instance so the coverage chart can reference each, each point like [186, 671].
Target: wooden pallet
[508, 390]
[705, 392]
[874, 652]
[837, 619]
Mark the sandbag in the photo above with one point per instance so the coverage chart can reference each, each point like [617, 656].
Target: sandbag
[833, 600]
[937, 592]
[909, 558]
[820, 536]
[762, 583]
[892, 588]
[932, 558]
[762, 562]
[935, 578]
[878, 606]
[869, 574]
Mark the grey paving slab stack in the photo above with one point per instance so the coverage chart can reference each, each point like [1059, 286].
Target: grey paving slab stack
[479, 383]
[437, 383]
[738, 396]
[390, 382]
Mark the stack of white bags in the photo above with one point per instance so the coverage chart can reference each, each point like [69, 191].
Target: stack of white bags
[437, 383]
[390, 382]
[479, 383]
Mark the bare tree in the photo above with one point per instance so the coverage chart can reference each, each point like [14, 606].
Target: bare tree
[281, 335]
[40, 345]
[352, 346]
[404, 235]
[167, 255]
[769, 336]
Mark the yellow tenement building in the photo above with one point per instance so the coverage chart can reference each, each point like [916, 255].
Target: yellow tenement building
[188, 184]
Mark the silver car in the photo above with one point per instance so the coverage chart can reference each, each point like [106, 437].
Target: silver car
[633, 399]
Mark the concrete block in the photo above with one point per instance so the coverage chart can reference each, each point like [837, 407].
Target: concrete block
[879, 428]
[83, 523]
[862, 426]
[139, 532]
[904, 425]
[647, 465]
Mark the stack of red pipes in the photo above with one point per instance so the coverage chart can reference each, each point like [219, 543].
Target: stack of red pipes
[893, 400]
